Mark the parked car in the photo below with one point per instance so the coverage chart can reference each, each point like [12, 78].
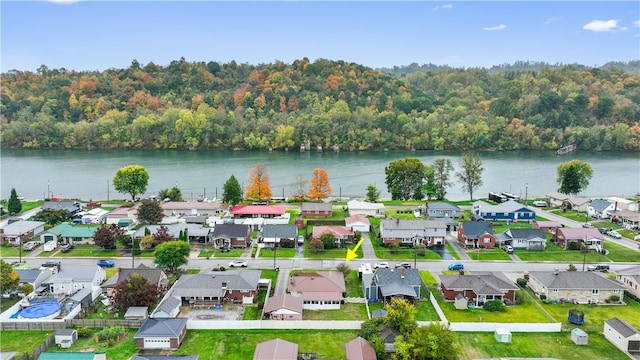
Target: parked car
[614, 234]
[540, 203]
[598, 267]
[587, 225]
[238, 263]
[49, 264]
[456, 266]
[66, 248]
[28, 246]
[300, 240]
[405, 264]
[508, 249]
[602, 230]
[381, 265]
[105, 263]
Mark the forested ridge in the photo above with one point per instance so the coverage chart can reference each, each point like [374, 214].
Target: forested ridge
[203, 106]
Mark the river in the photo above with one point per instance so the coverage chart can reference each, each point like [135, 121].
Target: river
[88, 175]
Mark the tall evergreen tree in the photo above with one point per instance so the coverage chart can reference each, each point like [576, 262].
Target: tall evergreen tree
[14, 205]
[231, 191]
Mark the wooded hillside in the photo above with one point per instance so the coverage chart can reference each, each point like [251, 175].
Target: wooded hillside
[197, 105]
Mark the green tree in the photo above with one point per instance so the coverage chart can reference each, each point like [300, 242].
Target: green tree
[429, 188]
[442, 169]
[232, 192]
[132, 180]
[14, 205]
[470, 174]
[401, 315]
[172, 254]
[9, 278]
[173, 194]
[52, 216]
[373, 194]
[329, 240]
[432, 342]
[149, 212]
[404, 179]
[316, 245]
[574, 176]
[135, 291]
[106, 236]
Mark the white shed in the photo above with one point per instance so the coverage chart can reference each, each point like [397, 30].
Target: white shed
[579, 337]
[50, 245]
[502, 335]
[65, 337]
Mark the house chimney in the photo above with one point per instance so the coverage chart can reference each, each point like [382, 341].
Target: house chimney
[224, 285]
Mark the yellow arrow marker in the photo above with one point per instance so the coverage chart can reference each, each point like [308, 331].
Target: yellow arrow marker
[351, 254]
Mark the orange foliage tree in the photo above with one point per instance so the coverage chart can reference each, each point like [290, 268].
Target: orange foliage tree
[258, 187]
[320, 187]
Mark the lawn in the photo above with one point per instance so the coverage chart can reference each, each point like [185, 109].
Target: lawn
[14, 251]
[329, 253]
[240, 345]
[554, 252]
[488, 254]
[88, 251]
[401, 253]
[571, 214]
[347, 311]
[122, 350]
[352, 283]
[251, 313]
[22, 341]
[6, 303]
[620, 253]
[279, 253]
[452, 251]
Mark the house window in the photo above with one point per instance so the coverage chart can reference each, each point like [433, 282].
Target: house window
[616, 291]
[486, 240]
[595, 292]
[555, 290]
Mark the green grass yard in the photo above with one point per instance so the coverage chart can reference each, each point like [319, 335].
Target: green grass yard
[348, 311]
[279, 253]
[488, 254]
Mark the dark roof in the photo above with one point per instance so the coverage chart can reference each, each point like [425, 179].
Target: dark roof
[574, 280]
[65, 332]
[479, 282]
[170, 327]
[442, 206]
[152, 275]
[280, 231]
[70, 206]
[391, 282]
[378, 313]
[210, 284]
[82, 295]
[476, 228]
[168, 305]
[28, 276]
[230, 231]
[389, 334]
[622, 327]
[599, 204]
[526, 233]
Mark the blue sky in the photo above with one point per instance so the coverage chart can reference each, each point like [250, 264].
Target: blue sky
[91, 35]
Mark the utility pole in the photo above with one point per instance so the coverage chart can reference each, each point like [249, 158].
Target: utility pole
[275, 246]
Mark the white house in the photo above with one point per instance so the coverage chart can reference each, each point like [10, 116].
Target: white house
[356, 207]
[93, 216]
[21, 230]
[600, 209]
[71, 278]
[358, 223]
[623, 204]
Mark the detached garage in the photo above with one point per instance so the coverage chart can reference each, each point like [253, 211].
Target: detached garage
[161, 334]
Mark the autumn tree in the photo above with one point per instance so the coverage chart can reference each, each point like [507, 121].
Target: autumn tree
[150, 212]
[404, 179]
[373, 194]
[573, 176]
[231, 191]
[161, 235]
[258, 187]
[442, 169]
[470, 174]
[401, 315]
[132, 180]
[9, 278]
[316, 245]
[319, 185]
[172, 254]
[135, 291]
[173, 194]
[299, 191]
[14, 205]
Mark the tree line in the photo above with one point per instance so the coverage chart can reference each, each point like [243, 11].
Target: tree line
[207, 106]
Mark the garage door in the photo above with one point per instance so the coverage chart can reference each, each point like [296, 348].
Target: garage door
[157, 343]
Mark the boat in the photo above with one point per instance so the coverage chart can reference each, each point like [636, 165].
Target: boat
[566, 149]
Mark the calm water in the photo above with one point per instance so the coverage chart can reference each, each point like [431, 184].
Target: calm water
[88, 174]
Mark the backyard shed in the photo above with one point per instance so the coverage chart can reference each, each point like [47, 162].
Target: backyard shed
[461, 303]
[65, 337]
[579, 337]
[502, 335]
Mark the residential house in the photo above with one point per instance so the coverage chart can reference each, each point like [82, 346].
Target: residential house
[574, 238]
[623, 204]
[509, 211]
[478, 287]
[343, 235]
[476, 234]
[526, 239]
[623, 336]
[284, 307]
[238, 286]
[360, 349]
[355, 207]
[192, 208]
[123, 216]
[71, 206]
[548, 227]
[556, 199]
[316, 209]
[583, 287]
[385, 284]
[69, 233]
[71, 278]
[161, 334]
[193, 232]
[600, 209]
[93, 216]
[272, 235]
[231, 235]
[358, 223]
[169, 307]
[628, 219]
[154, 276]
[413, 232]
[319, 291]
[21, 231]
[258, 211]
[442, 210]
[630, 278]
[34, 277]
[276, 349]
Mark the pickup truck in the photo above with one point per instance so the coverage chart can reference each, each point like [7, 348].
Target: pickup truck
[603, 268]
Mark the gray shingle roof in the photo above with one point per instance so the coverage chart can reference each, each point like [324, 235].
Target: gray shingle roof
[401, 224]
[526, 233]
[230, 231]
[575, 280]
[480, 282]
[315, 206]
[391, 281]
[77, 273]
[281, 231]
[152, 275]
[168, 305]
[476, 228]
[210, 284]
[442, 206]
[622, 327]
[170, 327]
[28, 276]
[634, 270]
[599, 204]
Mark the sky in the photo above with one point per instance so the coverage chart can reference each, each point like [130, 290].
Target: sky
[98, 35]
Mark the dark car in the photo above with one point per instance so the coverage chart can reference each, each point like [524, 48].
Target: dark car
[603, 230]
[66, 248]
[405, 265]
[49, 264]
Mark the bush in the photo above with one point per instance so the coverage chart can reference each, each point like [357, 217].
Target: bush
[614, 298]
[521, 282]
[494, 305]
[111, 333]
[543, 297]
[421, 250]
[84, 332]
[520, 297]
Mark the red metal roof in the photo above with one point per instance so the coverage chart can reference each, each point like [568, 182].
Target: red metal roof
[259, 210]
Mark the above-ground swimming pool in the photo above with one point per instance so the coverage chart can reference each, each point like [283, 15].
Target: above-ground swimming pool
[43, 310]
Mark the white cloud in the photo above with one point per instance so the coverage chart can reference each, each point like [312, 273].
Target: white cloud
[551, 20]
[443, 7]
[602, 25]
[496, 28]
[636, 23]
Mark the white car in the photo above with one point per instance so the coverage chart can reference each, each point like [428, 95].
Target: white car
[614, 234]
[30, 245]
[238, 263]
[540, 203]
[381, 265]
